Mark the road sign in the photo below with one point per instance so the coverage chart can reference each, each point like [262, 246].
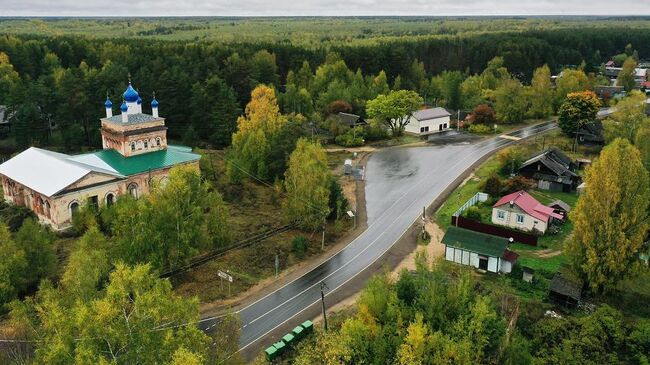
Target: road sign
[223, 275]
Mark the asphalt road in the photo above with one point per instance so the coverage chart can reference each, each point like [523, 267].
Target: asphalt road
[399, 183]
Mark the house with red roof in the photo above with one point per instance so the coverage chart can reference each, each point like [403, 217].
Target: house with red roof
[521, 211]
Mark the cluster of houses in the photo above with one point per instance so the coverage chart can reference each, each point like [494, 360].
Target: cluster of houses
[485, 246]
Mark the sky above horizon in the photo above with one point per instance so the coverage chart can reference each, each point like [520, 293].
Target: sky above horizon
[320, 7]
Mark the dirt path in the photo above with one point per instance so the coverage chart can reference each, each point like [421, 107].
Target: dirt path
[547, 253]
[434, 250]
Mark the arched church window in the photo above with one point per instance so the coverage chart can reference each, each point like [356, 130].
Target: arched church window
[133, 190]
[110, 199]
[74, 208]
[146, 144]
[158, 141]
[132, 146]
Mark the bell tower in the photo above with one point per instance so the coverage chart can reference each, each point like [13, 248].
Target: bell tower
[133, 132]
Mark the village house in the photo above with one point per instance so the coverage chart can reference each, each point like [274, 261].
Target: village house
[521, 211]
[428, 121]
[135, 154]
[552, 170]
[480, 250]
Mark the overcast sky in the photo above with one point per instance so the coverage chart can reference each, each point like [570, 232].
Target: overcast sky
[320, 7]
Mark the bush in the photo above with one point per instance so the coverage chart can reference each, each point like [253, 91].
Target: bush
[483, 114]
[349, 140]
[14, 216]
[518, 183]
[473, 213]
[479, 129]
[493, 185]
[299, 246]
[375, 132]
[510, 160]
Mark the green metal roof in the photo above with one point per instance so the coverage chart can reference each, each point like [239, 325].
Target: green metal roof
[477, 242]
[147, 161]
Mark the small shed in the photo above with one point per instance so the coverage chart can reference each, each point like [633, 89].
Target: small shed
[581, 188]
[480, 250]
[351, 120]
[565, 291]
[560, 207]
[527, 274]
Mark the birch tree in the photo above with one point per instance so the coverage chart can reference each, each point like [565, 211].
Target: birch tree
[611, 217]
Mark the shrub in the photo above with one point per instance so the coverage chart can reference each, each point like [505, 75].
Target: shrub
[518, 183]
[349, 139]
[493, 185]
[483, 114]
[375, 132]
[479, 129]
[473, 213]
[14, 215]
[299, 246]
[510, 159]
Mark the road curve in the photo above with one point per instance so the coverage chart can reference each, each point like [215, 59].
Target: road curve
[412, 179]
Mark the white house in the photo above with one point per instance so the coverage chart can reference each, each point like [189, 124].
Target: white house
[520, 210]
[480, 250]
[428, 121]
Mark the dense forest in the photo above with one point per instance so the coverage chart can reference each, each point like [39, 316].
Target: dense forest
[62, 80]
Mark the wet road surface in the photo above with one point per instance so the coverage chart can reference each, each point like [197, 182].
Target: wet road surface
[399, 183]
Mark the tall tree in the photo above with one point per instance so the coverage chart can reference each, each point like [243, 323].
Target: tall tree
[510, 102]
[13, 267]
[611, 217]
[172, 224]
[394, 109]
[626, 77]
[642, 142]
[136, 319]
[579, 109]
[541, 104]
[307, 182]
[569, 81]
[265, 69]
[251, 142]
[628, 118]
[38, 244]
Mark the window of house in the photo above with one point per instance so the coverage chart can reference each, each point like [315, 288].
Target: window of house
[421, 129]
[93, 202]
[132, 146]
[158, 142]
[426, 129]
[520, 219]
[501, 214]
[146, 144]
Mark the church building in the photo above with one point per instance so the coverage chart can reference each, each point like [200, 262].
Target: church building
[135, 154]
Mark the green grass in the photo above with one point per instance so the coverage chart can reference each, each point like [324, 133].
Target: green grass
[546, 197]
[464, 192]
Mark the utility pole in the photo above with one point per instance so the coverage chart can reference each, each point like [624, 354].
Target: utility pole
[322, 299]
[277, 265]
[458, 121]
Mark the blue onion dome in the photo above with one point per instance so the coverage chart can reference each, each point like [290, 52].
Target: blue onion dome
[154, 103]
[130, 94]
[108, 103]
[124, 108]
[139, 100]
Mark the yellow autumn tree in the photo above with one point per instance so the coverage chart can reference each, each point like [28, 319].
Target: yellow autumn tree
[611, 217]
[251, 143]
[307, 182]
